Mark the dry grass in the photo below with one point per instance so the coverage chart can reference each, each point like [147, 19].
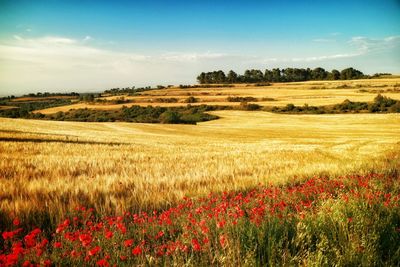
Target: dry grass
[6, 107]
[53, 166]
[27, 99]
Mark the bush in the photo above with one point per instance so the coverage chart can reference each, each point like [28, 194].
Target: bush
[170, 117]
[191, 99]
[249, 107]
[241, 99]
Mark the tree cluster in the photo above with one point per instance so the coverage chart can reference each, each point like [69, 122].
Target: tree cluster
[24, 109]
[48, 94]
[133, 90]
[149, 114]
[278, 75]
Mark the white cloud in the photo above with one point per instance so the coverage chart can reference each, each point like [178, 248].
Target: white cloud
[17, 37]
[323, 40]
[191, 57]
[87, 38]
[361, 45]
[55, 62]
[60, 63]
[369, 45]
[320, 58]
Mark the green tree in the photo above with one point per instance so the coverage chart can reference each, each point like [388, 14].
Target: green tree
[201, 78]
[334, 75]
[232, 77]
[319, 74]
[351, 73]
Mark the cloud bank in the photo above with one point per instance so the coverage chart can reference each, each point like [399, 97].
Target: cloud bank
[57, 63]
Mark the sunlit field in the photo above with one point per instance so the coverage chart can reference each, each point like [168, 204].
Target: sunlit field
[53, 166]
[277, 94]
[250, 188]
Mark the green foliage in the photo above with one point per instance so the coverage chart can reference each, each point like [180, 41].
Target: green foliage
[249, 107]
[132, 90]
[184, 86]
[278, 75]
[24, 109]
[149, 114]
[350, 74]
[47, 94]
[87, 97]
[380, 104]
[241, 99]
[191, 99]
[166, 100]
[170, 116]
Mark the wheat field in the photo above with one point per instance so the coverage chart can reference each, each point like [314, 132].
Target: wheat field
[50, 167]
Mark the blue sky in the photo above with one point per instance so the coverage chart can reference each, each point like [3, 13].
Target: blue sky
[93, 45]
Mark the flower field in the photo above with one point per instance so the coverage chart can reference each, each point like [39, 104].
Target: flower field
[347, 220]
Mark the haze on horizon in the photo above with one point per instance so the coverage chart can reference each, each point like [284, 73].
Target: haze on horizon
[59, 46]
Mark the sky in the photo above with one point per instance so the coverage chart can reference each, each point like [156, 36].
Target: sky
[88, 46]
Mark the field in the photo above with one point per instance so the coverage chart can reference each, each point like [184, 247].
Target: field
[277, 94]
[49, 168]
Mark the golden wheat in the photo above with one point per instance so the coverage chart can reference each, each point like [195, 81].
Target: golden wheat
[51, 167]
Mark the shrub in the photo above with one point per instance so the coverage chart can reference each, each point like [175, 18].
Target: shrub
[170, 117]
[241, 99]
[191, 99]
[249, 107]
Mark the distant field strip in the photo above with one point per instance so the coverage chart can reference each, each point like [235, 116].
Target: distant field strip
[278, 94]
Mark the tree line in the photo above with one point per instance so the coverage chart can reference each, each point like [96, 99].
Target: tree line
[279, 75]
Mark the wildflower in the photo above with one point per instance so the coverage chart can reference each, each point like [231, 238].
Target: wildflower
[102, 262]
[137, 251]
[123, 257]
[86, 239]
[47, 263]
[221, 224]
[222, 240]
[128, 243]
[10, 235]
[39, 252]
[121, 227]
[109, 234]
[16, 222]
[160, 234]
[94, 251]
[196, 245]
[30, 239]
[57, 245]
[75, 254]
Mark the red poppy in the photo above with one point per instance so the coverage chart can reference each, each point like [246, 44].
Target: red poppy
[137, 251]
[94, 251]
[16, 222]
[102, 262]
[128, 243]
[109, 234]
[196, 245]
